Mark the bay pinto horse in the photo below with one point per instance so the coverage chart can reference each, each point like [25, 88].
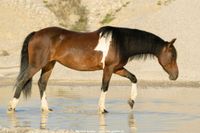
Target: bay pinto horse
[108, 49]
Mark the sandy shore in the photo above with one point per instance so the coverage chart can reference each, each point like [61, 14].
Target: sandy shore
[168, 20]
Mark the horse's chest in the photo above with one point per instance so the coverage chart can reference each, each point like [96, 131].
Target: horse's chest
[103, 46]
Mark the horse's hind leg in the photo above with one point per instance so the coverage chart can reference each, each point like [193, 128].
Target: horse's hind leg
[125, 73]
[42, 83]
[22, 81]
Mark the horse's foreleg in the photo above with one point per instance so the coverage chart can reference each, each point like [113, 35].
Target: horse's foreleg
[107, 73]
[125, 73]
[42, 83]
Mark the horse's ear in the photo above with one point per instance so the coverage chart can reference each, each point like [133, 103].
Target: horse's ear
[171, 42]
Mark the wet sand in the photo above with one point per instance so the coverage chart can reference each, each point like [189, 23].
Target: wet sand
[160, 108]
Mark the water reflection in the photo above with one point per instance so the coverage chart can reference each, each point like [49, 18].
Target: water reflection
[16, 120]
[103, 125]
[12, 118]
[132, 122]
[103, 119]
[43, 120]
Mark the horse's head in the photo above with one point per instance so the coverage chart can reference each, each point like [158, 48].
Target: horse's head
[167, 59]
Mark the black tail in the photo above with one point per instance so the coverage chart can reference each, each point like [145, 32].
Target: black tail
[24, 65]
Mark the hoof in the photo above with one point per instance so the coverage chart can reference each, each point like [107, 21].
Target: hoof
[103, 111]
[50, 110]
[10, 110]
[131, 103]
[47, 110]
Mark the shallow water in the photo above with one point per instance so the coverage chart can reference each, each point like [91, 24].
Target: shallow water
[157, 110]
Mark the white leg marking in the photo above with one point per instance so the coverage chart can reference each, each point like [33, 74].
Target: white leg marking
[102, 101]
[13, 103]
[103, 46]
[44, 104]
[133, 91]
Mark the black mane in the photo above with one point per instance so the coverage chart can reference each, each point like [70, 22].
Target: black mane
[134, 43]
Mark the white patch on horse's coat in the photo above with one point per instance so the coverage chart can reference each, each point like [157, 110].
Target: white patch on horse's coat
[103, 46]
[102, 101]
[134, 91]
[14, 103]
[44, 104]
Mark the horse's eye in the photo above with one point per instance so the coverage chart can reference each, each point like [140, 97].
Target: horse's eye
[173, 56]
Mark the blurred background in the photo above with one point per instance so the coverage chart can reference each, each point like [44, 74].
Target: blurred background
[165, 18]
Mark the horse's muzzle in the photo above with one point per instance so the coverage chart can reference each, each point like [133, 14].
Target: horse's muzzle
[173, 76]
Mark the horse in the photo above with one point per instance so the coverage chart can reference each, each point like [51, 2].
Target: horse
[108, 49]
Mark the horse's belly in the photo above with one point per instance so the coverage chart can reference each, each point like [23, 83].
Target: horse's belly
[82, 61]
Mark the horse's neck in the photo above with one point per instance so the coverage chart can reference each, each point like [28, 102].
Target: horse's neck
[144, 49]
